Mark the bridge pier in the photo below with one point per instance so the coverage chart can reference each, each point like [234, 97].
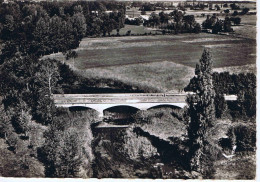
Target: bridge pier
[100, 112]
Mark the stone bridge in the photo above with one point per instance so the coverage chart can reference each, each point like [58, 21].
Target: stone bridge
[141, 101]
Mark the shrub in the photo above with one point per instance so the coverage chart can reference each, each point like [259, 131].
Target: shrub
[67, 151]
[128, 33]
[138, 146]
[245, 137]
[244, 11]
[235, 13]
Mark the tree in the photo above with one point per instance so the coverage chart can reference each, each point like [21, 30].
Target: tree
[5, 124]
[154, 19]
[226, 11]
[143, 12]
[189, 19]
[220, 105]
[48, 74]
[108, 24]
[209, 22]
[235, 13]
[78, 22]
[236, 20]
[21, 119]
[233, 6]
[227, 25]
[41, 41]
[73, 55]
[67, 150]
[217, 7]
[177, 16]
[218, 27]
[201, 110]
[197, 28]
[244, 11]
[164, 18]
[8, 27]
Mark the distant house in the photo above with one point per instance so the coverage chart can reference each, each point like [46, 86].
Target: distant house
[94, 12]
[144, 17]
[109, 12]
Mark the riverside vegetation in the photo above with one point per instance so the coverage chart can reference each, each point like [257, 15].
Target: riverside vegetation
[41, 140]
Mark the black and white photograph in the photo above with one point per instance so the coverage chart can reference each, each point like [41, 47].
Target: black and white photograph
[128, 89]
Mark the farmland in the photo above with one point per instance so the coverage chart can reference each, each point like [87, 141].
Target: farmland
[164, 63]
[112, 51]
[160, 62]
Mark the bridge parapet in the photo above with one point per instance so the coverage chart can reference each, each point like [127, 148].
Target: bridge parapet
[119, 98]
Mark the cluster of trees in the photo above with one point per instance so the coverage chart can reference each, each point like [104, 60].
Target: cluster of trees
[243, 12]
[208, 103]
[148, 7]
[152, 7]
[233, 6]
[235, 20]
[31, 124]
[218, 25]
[199, 6]
[44, 28]
[235, 13]
[242, 85]
[175, 22]
[136, 21]
[67, 149]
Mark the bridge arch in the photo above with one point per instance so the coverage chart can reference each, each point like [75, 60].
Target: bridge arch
[124, 107]
[120, 113]
[172, 106]
[80, 108]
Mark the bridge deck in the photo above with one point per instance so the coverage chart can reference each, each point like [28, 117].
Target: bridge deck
[125, 98]
[119, 98]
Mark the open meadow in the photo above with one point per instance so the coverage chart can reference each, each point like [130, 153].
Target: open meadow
[161, 63]
[114, 51]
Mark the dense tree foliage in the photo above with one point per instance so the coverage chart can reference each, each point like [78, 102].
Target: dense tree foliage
[136, 21]
[174, 22]
[233, 6]
[67, 151]
[217, 25]
[44, 28]
[148, 7]
[204, 106]
[202, 112]
[243, 85]
[29, 30]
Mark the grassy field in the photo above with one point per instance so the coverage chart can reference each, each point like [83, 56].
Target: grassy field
[114, 51]
[250, 68]
[161, 77]
[241, 166]
[164, 63]
[160, 63]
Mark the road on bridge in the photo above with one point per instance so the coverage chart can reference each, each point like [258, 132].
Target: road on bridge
[119, 98]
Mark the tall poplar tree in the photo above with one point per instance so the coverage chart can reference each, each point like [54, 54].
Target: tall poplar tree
[201, 110]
